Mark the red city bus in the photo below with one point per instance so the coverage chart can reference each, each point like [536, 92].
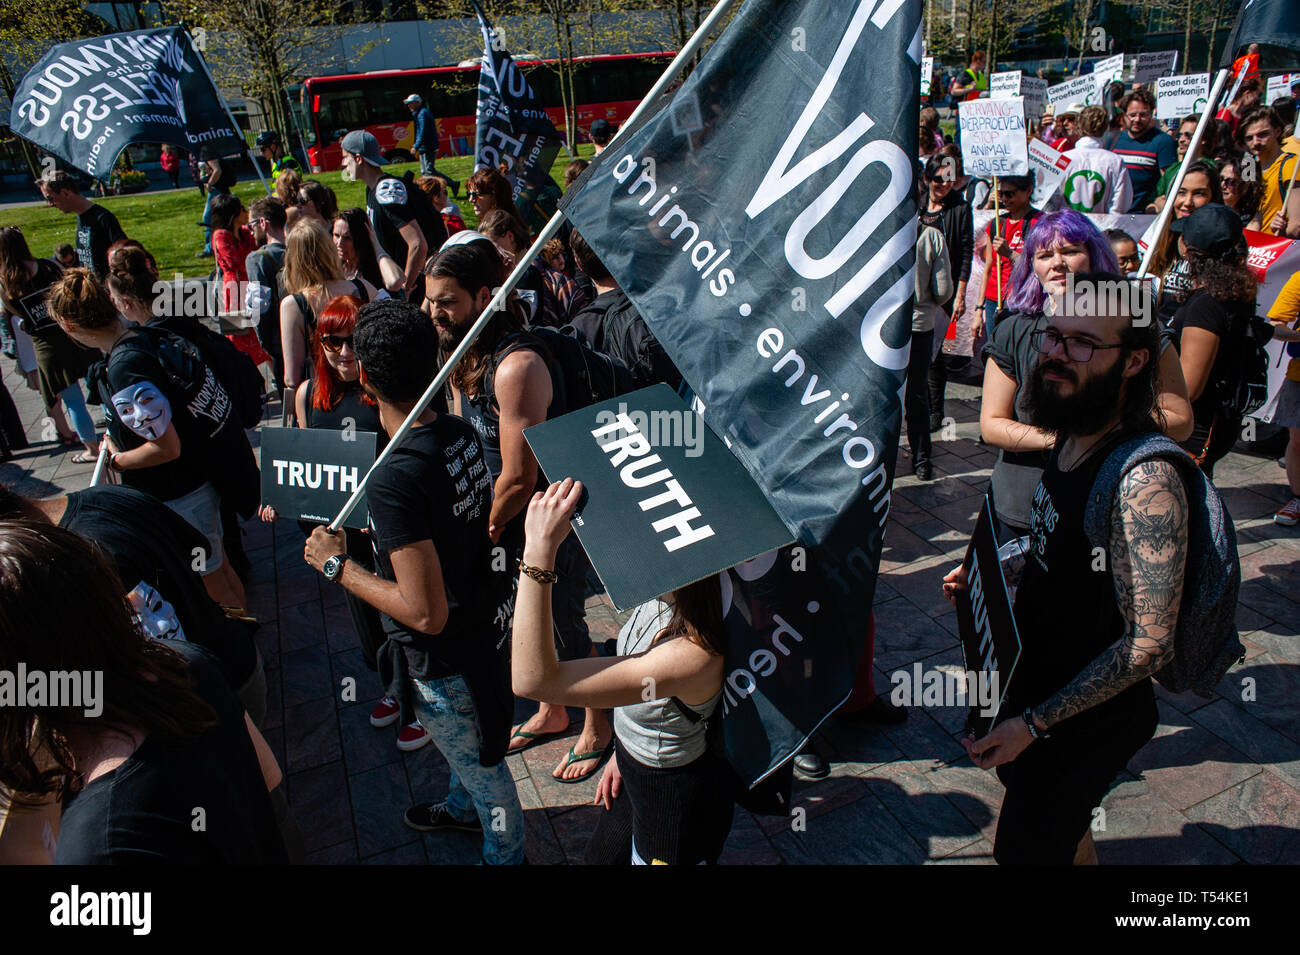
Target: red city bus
[607, 87]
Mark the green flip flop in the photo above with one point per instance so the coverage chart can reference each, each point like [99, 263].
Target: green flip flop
[598, 755]
[534, 739]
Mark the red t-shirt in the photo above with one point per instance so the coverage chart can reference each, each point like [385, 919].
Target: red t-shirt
[1013, 230]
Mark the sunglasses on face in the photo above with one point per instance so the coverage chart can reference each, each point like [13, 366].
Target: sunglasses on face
[473, 195]
[335, 343]
[1228, 181]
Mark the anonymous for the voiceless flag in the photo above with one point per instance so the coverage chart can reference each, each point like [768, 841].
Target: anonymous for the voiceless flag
[87, 100]
[772, 252]
[510, 122]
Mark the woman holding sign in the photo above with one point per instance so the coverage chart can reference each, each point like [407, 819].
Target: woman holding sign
[666, 793]
[60, 361]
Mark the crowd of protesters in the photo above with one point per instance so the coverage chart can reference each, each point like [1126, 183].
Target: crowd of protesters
[353, 312]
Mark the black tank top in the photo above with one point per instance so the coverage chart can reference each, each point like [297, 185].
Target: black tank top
[309, 316]
[482, 412]
[1065, 605]
[351, 405]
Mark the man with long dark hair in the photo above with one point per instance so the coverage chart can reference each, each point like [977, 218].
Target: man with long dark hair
[1081, 703]
[505, 383]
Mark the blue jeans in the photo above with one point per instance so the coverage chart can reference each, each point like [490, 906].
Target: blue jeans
[74, 402]
[445, 708]
[207, 217]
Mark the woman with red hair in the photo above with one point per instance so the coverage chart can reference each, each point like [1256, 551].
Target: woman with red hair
[334, 399]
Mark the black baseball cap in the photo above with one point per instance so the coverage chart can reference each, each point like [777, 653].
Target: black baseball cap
[1213, 230]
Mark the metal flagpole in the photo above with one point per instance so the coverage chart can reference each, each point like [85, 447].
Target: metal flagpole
[548, 232]
[226, 106]
[1167, 212]
[99, 464]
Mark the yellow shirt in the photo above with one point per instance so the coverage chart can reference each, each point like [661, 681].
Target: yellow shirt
[1286, 310]
[1271, 204]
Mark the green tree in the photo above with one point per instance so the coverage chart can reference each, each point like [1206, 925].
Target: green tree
[28, 28]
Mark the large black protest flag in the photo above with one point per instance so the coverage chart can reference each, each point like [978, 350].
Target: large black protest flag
[1270, 22]
[764, 223]
[85, 101]
[510, 122]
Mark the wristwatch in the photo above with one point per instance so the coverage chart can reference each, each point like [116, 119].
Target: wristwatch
[334, 566]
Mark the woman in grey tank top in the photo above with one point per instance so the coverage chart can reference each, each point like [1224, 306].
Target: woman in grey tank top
[668, 796]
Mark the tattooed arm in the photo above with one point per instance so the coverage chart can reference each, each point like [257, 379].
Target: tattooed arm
[1148, 546]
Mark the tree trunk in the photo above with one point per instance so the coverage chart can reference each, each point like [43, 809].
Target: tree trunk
[1187, 36]
[991, 57]
[1214, 32]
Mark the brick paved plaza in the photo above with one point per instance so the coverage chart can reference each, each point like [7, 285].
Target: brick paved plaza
[1218, 783]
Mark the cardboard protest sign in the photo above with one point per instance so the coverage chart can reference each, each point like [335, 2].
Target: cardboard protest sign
[1278, 86]
[1077, 89]
[1151, 66]
[1049, 166]
[993, 141]
[667, 504]
[1272, 260]
[309, 473]
[1034, 90]
[1004, 85]
[990, 642]
[1107, 71]
[1179, 96]
[927, 74]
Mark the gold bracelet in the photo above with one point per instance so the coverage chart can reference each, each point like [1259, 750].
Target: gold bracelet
[539, 575]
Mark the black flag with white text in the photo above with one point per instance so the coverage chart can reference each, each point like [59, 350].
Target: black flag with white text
[87, 100]
[510, 122]
[764, 224]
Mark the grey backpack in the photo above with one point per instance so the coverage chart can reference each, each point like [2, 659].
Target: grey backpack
[1205, 639]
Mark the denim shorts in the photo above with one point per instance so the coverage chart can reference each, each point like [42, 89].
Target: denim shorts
[201, 509]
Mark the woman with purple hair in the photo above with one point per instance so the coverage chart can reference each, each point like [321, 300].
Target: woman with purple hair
[1060, 243]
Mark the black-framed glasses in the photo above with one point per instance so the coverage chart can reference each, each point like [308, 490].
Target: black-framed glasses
[1078, 350]
[471, 194]
[335, 343]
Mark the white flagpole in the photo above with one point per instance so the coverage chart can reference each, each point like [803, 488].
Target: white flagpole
[99, 464]
[524, 261]
[1168, 211]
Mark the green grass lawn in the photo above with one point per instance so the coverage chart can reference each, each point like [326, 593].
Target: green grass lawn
[167, 223]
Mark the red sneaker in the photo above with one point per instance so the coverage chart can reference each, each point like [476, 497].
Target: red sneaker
[412, 737]
[385, 713]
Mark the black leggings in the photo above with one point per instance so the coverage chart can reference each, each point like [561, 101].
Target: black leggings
[679, 816]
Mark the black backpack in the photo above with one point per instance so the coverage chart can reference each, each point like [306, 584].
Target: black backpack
[1245, 389]
[619, 331]
[1206, 643]
[229, 459]
[233, 368]
[587, 376]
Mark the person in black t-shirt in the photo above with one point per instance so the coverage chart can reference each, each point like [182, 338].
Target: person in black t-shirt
[152, 550]
[409, 228]
[97, 228]
[143, 734]
[1211, 325]
[163, 432]
[445, 605]
[1081, 703]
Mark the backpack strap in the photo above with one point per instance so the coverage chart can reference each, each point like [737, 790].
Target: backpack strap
[361, 291]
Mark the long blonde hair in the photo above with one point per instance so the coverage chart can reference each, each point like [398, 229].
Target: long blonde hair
[310, 259]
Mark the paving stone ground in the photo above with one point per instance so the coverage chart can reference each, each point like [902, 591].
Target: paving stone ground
[1217, 784]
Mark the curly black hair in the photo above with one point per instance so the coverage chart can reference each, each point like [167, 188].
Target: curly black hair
[397, 348]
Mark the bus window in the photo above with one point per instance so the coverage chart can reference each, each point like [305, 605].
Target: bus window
[340, 112]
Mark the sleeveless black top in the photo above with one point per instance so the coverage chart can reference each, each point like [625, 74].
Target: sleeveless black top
[1065, 607]
[309, 316]
[352, 405]
[482, 411]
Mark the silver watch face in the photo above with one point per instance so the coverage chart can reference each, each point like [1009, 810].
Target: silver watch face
[332, 567]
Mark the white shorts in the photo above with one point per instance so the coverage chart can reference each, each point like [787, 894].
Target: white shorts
[201, 509]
